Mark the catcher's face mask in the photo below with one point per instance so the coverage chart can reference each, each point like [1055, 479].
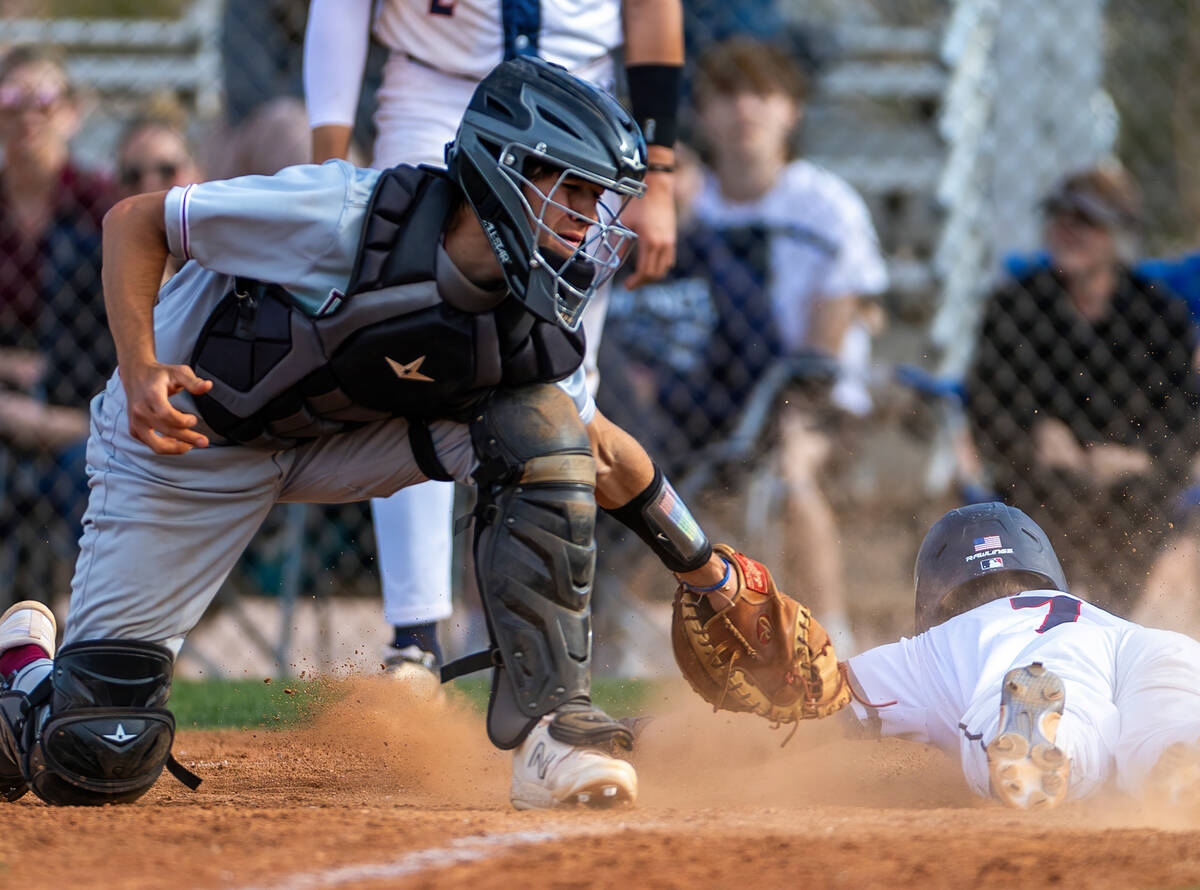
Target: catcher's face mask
[577, 239]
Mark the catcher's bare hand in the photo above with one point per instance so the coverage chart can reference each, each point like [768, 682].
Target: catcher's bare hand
[153, 420]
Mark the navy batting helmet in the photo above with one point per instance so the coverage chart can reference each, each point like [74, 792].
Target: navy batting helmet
[976, 541]
[529, 114]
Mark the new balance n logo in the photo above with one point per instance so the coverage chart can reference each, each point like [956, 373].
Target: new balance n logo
[540, 760]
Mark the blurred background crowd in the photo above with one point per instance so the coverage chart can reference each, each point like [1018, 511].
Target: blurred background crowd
[930, 252]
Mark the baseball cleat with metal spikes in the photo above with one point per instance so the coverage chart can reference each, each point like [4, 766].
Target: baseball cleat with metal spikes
[548, 773]
[1028, 771]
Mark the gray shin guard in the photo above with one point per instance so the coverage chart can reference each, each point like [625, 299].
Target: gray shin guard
[107, 736]
[535, 554]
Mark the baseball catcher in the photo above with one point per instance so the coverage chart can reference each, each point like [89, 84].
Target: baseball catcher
[337, 334]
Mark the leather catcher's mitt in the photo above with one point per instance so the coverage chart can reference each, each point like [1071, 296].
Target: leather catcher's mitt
[764, 653]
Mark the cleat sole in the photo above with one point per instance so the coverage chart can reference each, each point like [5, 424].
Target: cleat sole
[1027, 770]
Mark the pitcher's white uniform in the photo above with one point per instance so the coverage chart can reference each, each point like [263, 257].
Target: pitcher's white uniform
[1131, 691]
[439, 50]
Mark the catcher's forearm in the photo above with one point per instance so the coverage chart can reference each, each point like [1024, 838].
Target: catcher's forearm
[623, 468]
[135, 252]
[330, 141]
[634, 491]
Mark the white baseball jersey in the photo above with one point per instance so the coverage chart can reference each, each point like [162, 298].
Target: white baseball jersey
[1130, 691]
[440, 49]
[822, 246]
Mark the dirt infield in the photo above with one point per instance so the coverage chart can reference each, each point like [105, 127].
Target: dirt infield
[379, 793]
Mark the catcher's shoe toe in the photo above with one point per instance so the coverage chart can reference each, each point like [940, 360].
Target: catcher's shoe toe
[28, 623]
[548, 773]
[1027, 770]
[1175, 779]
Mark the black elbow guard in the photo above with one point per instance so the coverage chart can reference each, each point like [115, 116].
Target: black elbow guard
[663, 521]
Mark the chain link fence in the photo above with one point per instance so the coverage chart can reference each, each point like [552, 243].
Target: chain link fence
[875, 314]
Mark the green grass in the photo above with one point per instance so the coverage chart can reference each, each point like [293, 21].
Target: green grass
[242, 704]
[238, 704]
[620, 698]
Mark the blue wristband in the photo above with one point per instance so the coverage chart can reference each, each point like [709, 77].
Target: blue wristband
[717, 586]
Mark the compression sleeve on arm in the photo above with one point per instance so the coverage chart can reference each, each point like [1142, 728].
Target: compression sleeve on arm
[660, 518]
[335, 56]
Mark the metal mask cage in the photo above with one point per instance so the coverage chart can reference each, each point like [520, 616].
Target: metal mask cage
[580, 269]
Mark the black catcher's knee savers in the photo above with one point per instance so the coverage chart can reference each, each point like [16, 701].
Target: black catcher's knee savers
[535, 553]
[107, 736]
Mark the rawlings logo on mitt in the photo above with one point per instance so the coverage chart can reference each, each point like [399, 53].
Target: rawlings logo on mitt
[763, 653]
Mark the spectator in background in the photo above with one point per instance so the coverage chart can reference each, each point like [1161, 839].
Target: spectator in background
[50, 210]
[55, 351]
[153, 155]
[785, 252]
[1081, 396]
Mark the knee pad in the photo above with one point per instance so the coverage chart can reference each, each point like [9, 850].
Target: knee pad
[535, 553]
[107, 736]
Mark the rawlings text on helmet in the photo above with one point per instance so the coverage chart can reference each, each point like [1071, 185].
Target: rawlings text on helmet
[979, 540]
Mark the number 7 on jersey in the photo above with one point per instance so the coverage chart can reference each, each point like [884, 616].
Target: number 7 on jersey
[1063, 609]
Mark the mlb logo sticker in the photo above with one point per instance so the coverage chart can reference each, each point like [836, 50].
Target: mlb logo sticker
[996, 562]
[991, 542]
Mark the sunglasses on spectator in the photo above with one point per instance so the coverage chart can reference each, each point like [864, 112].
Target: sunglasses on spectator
[15, 98]
[1086, 209]
[132, 174]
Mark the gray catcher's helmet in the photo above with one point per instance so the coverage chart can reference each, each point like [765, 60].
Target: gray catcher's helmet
[527, 115]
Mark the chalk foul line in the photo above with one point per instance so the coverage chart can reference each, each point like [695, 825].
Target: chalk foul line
[456, 852]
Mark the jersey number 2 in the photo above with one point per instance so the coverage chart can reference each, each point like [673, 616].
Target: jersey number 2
[1063, 609]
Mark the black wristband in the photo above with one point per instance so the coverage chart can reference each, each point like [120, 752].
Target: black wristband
[654, 98]
[660, 518]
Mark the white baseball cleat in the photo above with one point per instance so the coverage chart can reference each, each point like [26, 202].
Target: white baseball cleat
[416, 670]
[1027, 770]
[28, 623]
[548, 773]
[1175, 779]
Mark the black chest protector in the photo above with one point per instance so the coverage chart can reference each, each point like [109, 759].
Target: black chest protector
[393, 348]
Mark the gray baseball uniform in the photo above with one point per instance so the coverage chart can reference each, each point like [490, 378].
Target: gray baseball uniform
[162, 532]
